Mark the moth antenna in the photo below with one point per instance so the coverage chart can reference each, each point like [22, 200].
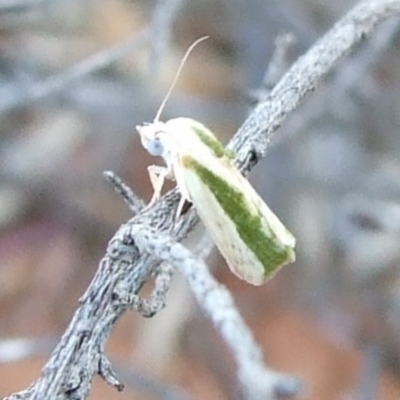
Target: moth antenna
[177, 74]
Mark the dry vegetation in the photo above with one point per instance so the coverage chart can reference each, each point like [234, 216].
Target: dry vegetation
[332, 175]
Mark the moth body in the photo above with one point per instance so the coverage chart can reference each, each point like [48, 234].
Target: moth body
[248, 234]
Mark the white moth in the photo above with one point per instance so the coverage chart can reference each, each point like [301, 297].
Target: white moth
[253, 241]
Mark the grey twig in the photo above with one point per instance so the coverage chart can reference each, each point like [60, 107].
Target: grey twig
[255, 380]
[304, 76]
[134, 203]
[16, 349]
[148, 308]
[352, 76]
[124, 268]
[107, 373]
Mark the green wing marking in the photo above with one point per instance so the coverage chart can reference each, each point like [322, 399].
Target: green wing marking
[207, 137]
[250, 227]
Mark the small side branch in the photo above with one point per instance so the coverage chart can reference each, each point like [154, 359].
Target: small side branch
[134, 203]
[257, 382]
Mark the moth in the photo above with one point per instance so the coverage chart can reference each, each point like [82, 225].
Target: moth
[251, 238]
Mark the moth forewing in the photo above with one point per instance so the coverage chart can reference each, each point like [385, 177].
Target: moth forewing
[251, 238]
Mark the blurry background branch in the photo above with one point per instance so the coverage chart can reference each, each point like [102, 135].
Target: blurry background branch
[18, 5]
[158, 31]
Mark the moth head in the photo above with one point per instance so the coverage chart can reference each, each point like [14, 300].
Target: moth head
[151, 136]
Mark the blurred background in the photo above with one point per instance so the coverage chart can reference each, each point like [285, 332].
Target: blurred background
[75, 79]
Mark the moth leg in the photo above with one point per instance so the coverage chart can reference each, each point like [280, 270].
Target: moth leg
[180, 181]
[157, 176]
[180, 207]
